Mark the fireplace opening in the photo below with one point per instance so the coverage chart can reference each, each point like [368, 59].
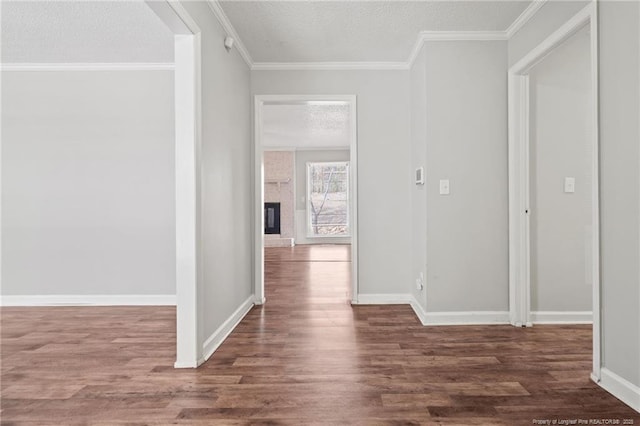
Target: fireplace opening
[271, 218]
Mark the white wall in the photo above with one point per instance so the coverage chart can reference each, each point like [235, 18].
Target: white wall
[560, 146]
[384, 216]
[619, 26]
[418, 76]
[227, 204]
[88, 183]
[302, 158]
[466, 142]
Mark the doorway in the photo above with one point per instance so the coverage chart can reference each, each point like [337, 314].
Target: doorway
[287, 159]
[560, 187]
[520, 175]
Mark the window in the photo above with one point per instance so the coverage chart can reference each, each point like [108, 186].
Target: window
[328, 199]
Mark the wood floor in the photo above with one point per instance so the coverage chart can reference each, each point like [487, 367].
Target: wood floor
[306, 357]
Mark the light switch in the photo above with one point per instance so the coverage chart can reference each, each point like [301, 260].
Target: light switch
[444, 187]
[569, 184]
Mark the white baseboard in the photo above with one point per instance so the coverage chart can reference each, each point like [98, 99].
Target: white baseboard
[384, 299]
[466, 318]
[185, 364]
[419, 310]
[621, 388]
[91, 66]
[436, 318]
[393, 299]
[562, 317]
[90, 300]
[278, 242]
[217, 337]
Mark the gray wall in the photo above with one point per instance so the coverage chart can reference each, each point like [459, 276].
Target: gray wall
[302, 158]
[560, 146]
[619, 75]
[383, 164]
[418, 77]
[466, 142]
[227, 203]
[88, 183]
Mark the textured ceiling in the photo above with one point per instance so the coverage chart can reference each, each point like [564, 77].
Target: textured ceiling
[314, 125]
[83, 31]
[350, 31]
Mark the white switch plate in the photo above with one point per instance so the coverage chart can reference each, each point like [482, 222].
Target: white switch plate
[444, 187]
[569, 185]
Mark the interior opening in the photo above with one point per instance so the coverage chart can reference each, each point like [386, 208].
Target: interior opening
[560, 189]
[307, 187]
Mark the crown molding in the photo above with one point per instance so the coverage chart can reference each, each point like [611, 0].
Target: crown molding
[328, 66]
[524, 17]
[97, 66]
[306, 148]
[422, 37]
[463, 35]
[425, 36]
[218, 12]
[215, 7]
[417, 47]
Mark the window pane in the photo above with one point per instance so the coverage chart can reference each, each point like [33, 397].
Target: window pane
[328, 198]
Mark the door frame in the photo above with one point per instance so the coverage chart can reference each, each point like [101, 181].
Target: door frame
[259, 102]
[519, 175]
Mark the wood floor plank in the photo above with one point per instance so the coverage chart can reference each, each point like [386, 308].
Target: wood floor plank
[307, 357]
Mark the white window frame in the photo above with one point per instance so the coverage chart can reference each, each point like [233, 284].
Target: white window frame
[310, 233]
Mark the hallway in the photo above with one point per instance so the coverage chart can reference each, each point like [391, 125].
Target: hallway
[305, 357]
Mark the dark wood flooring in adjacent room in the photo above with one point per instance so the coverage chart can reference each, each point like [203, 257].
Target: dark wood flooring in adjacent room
[306, 357]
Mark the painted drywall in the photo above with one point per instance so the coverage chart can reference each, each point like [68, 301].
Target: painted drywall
[560, 147]
[418, 76]
[619, 102]
[227, 204]
[279, 170]
[546, 20]
[302, 158]
[466, 143]
[88, 202]
[384, 217]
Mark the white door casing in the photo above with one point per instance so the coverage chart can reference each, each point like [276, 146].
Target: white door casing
[519, 161]
[260, 101]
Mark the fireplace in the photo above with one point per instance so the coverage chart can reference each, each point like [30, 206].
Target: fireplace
[272, 218]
